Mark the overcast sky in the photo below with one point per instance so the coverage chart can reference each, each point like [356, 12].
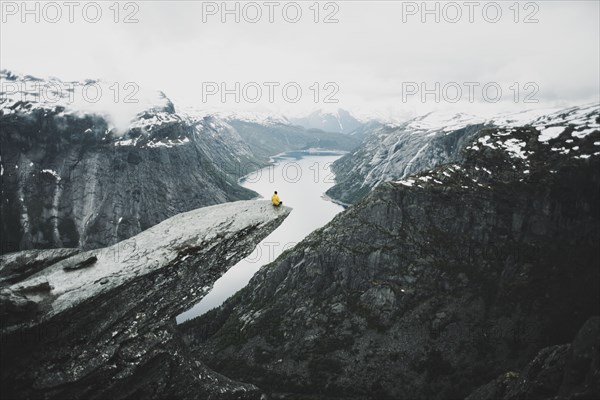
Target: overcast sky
[370, 54]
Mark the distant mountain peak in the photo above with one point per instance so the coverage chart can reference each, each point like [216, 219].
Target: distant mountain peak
[340, 121]
[261, 118]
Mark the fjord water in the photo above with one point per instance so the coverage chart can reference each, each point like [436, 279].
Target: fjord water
[301, 178]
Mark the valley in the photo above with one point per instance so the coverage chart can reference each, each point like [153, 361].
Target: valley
[301, 178]
[464, 260]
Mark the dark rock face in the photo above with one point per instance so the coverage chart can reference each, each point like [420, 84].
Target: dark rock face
[432, 285]
[569, 371]
[70, 180]
[107, 331]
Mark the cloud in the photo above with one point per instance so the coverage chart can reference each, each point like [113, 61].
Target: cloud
[370, 53]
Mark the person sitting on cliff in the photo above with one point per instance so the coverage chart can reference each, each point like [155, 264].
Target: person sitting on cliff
[275, 200]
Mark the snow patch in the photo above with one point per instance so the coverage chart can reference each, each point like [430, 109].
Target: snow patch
[550, 133]
[583, 133]
[407, 182]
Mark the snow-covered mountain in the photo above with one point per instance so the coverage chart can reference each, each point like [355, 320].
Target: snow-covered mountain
[395, 151]
[72, 176]
[270, 134]
[123, 106]
[261, 118]
[340, 121]
[436, 283]
[83, 168]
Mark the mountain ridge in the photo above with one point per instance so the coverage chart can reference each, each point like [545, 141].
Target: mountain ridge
[394, 151]
[433, 284]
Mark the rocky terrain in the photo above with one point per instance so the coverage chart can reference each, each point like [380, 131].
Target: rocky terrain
[395, 151]
[87, 175]
[229, 151]
[437, 283]
[564, 371]
[72, 179]
[100, 324]
[467, 266]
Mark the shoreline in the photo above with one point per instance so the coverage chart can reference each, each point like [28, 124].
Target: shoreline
[309, 152]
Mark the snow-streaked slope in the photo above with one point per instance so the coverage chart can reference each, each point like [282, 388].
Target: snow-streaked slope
[435, 122]
[395, 151]
[227, 115]
[560, 142]
[257, 118]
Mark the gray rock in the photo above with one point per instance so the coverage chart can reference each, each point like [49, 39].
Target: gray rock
[80, 262]
[17, 266]
[393, 152]
[486, 297]
[109, 331]
[340, 121]
[70, 180]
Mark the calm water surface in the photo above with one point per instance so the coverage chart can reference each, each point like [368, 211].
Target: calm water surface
[301, 179]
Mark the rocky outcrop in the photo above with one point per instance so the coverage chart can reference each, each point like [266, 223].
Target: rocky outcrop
[432, 285]
[72, 179]
[101, 324]
[569, 371]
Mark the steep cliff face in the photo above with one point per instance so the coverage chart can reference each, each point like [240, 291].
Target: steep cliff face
[100, 324]
[228, 150]
[72, 179]
[434, 284]
[395, 151]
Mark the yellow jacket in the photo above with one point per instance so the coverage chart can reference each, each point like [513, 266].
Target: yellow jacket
[275, 200]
